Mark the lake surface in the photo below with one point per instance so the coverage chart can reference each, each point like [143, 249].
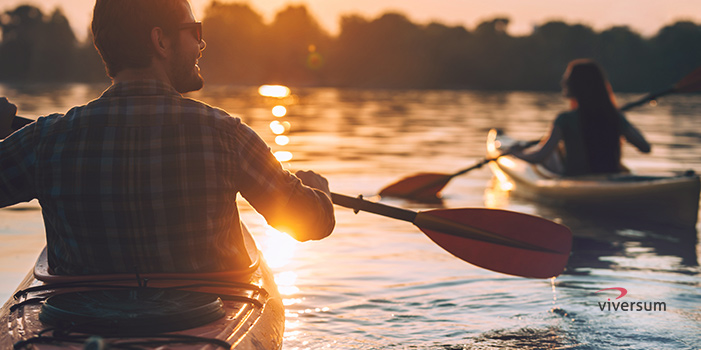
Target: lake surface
[379, 283]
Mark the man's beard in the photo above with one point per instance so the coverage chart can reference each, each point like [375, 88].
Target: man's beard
[185, 77]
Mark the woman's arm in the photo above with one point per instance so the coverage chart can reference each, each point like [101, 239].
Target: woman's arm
[635, 137]
[547, 147]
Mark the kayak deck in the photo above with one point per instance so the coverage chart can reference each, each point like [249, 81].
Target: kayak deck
[244, 308]
[672, 200]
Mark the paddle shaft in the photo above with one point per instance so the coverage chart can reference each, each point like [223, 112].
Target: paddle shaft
[689, 83]
[647, 98]
[460, 172]
[426, 221]
[485, 161]
[359, 204]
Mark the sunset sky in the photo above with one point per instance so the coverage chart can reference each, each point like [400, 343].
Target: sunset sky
[643, 16]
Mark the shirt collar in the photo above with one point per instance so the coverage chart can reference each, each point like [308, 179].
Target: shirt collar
[149, 87]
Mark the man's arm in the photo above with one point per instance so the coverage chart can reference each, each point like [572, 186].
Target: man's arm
[7, 114]
[297, 205]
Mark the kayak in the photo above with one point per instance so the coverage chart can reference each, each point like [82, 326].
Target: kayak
[239, 309]
[667, 200]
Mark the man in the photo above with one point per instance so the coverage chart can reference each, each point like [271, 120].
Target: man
[143, 179]
[7, 114]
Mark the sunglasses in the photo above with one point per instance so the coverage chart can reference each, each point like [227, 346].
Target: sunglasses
[195, 28]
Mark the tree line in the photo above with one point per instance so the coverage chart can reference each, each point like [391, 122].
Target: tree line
[389, 51]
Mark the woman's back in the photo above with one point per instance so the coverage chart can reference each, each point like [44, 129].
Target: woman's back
[588, 152]
[594, 124]
[591, 130]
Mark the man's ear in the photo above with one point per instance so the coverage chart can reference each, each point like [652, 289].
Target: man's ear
[160, 42]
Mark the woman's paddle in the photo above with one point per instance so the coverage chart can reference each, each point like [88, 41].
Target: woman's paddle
[498, 240]
[690, 83]
[426, 186]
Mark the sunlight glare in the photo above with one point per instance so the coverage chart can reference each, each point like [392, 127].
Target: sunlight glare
[507, 162]
[504, 183]
[279, 91]
[283, 156]
[278, 248]
[279, 111]
[286, 278]
[492, 147]
[286, 282]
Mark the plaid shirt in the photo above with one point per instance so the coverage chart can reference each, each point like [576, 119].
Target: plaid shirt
[144, 179]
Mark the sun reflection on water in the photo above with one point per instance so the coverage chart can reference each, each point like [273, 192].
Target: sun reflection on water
[282, 140]
[279, 91]
[552, 283]
[279, 111]
[503, 180]
[279, 250]
[283, 156]
[279, 128]
[280, 98]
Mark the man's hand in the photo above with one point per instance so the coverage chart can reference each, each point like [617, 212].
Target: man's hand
[7, 113]
[314, 180]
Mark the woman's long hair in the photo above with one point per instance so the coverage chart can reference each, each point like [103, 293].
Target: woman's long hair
[585, 82]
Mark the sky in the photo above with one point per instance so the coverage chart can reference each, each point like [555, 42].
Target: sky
[643, 16]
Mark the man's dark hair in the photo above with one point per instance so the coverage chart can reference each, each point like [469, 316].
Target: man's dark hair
[122, 30]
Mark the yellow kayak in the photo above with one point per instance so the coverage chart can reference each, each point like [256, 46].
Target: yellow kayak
[239, 309]
[668, 200]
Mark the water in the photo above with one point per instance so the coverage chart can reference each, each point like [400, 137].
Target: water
[379, 283]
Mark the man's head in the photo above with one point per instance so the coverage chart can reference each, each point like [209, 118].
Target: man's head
[130, 33]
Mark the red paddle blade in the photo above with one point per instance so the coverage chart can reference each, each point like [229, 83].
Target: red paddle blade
[690, 83]
[419, 186]
[499, 240]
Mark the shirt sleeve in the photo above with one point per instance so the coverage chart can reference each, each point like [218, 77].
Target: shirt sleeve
[288, 205]
[17, 157]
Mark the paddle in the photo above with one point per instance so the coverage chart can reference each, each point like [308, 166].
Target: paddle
[426, 186]
[689, 83]
[498, 240]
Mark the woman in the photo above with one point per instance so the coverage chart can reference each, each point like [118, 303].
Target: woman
[586, 139]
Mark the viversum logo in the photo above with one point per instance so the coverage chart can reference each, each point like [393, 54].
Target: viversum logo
[629, 306]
